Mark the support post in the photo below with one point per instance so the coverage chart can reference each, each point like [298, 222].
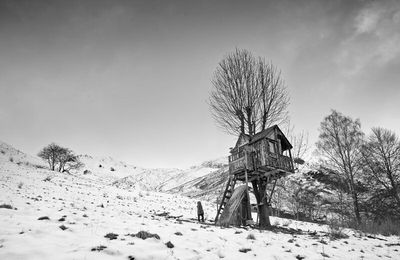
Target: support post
[249, 217]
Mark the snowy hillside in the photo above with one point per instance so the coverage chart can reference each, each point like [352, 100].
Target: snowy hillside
[194, 173]
[8, 152]
[125, 175]
[51, 215]
[207, 187]
[186, 181]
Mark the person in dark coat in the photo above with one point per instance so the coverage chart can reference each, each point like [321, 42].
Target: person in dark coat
[200, 212]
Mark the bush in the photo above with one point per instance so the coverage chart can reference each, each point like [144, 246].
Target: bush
[251, 236]
[20, 185]
[11, 159]
[112, 169]
[336, 231]
[144, 235]
[48, 178]
[5, 206]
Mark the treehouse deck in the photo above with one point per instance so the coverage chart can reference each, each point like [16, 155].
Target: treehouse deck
[274, 167]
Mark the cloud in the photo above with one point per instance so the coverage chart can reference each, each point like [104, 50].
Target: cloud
[374, 40]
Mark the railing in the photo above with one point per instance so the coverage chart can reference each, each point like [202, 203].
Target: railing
[236, 165]
[278, 161]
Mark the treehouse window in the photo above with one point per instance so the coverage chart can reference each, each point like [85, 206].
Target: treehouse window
[272, 148]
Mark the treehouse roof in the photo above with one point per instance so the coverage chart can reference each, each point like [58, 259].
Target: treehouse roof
[266, 133]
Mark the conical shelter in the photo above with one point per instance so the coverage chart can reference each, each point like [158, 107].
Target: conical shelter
[237, 210]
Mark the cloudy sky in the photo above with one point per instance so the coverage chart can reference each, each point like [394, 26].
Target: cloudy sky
[131, 79]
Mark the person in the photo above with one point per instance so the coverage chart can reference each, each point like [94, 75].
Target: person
[200, 212]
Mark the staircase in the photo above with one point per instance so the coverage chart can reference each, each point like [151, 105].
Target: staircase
[230, 186]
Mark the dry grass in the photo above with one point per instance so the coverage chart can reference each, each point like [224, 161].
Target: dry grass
[386, 227]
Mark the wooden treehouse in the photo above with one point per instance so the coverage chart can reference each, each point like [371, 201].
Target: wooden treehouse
[263, 157]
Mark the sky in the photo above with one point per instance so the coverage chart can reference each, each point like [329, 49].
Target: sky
[131, 79]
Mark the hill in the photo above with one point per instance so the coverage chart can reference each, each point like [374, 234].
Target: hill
[52, 215]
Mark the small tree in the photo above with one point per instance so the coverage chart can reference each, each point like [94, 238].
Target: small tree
[60, 158]
[340, 140]
[68, 161]
[51, 154]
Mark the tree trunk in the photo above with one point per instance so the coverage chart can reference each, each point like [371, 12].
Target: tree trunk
[356, 208]
[259, 188]
[355, 200]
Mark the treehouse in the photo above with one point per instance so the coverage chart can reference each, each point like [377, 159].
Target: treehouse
[263, 157]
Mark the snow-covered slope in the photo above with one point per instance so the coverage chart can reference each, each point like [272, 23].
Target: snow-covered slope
[124, 175]
[193, 173]
[207, 187]
[51, 215]
[8, 152]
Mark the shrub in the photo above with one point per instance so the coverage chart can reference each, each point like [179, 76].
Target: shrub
[251, 236]
[11, 159]
[3, 152]
[5, 206]
[336, 231]
[20, 185]
[144, 235]
[111, 236]
[48, 178]
[169, 244]
[112, 169]
[37, 166]
[244, 250]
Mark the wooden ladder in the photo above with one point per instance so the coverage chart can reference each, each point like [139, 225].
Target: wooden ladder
[230, 186]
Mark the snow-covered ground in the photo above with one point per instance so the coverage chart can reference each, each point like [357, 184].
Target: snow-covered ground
[83, 209]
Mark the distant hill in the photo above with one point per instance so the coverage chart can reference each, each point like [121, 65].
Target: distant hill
[204, 181]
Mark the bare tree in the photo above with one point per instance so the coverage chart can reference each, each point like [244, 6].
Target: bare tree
[67, 160]
[340, 140]
[249, 95]
[50, 154]
[62, 157]
[381, 155]
[300, 144]
[274, 99]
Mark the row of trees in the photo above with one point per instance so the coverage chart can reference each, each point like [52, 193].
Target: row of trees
[60, 158]
[366, 167]
[357, 180]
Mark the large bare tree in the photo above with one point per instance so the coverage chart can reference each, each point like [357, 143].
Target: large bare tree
[381, 155]
[249, 95]
[339, 143]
